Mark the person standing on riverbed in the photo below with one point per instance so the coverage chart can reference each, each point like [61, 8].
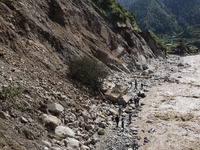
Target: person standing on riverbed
[120, 110]
[130, 117]
[117, 120]
[123, 123]
[135, 84]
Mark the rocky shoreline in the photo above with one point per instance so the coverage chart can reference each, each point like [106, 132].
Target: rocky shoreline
[81, 121]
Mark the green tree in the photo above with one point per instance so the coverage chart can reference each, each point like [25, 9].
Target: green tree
[88, 72]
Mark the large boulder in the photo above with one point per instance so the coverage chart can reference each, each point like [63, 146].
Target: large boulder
[115, 93]
[124, 100]
[50, 121]
[72, 144]
[110, 95]
[55, 108]
[64, 131]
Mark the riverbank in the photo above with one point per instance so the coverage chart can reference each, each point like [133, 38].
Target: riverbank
[169, 116]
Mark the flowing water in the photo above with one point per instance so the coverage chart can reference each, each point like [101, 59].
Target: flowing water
[175, 110]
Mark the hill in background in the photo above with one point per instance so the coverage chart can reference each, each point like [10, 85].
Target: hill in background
[164, 16]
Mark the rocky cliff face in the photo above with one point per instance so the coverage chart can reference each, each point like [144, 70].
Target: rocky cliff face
[38, 38]
[68, 29]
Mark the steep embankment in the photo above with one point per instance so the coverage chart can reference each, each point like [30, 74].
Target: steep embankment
[37, 40]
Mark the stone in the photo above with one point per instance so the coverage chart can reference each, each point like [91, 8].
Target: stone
[55, 148]
[84, 147]
[93, 141]
[28, 133]
[112, 112]
[86, 115]
[124, 100]
[112, 96]
[151, 130]
[150, 71]
[102, 124]
[47, 143]
[166, 79]
[138, 66]
[101, 131]
[89, 127]
[72, 143]
[4, 115]
[181, 64]
[133, 129]
[146, 139]
[141, 94]
[64, 131]
[149, 121]
[50, 121]
[23, 120]
[145, 67]
[46, 148]
[55, 108]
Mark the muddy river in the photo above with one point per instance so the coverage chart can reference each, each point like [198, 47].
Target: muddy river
[174, 109]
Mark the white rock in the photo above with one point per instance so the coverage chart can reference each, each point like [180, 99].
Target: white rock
[72, 143]
[83, 147]
[55, 108]
[64, 131]
[46, 143]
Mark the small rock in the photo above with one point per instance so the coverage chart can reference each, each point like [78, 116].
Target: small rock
[86, 115]
[101, 131]
[23, 120]
[149, 121]
[151, 130]
[46, 148]
[47, 143]
[180, 64]
[94, 140]
[3, 115]
[55, 148]
[146, 139]
[150, 71]
[89, 127]
[102, 124]
[145, 67]
[83, 147]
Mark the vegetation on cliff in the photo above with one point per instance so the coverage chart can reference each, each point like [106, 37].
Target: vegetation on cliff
[113, 11]
[88, 72]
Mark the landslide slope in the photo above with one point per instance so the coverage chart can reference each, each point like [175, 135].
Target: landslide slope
[38, 38]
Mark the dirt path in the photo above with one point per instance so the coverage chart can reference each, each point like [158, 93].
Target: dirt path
[174, 109]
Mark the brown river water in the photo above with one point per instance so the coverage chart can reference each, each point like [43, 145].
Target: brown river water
[175, 111]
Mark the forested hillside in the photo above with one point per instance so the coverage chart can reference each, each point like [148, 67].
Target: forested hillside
[164, 16]
[113, 11]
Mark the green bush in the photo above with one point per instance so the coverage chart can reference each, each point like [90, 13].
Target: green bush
[88, 72]
[11, 92]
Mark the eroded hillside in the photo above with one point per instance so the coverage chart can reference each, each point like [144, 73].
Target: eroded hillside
[38, 38]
